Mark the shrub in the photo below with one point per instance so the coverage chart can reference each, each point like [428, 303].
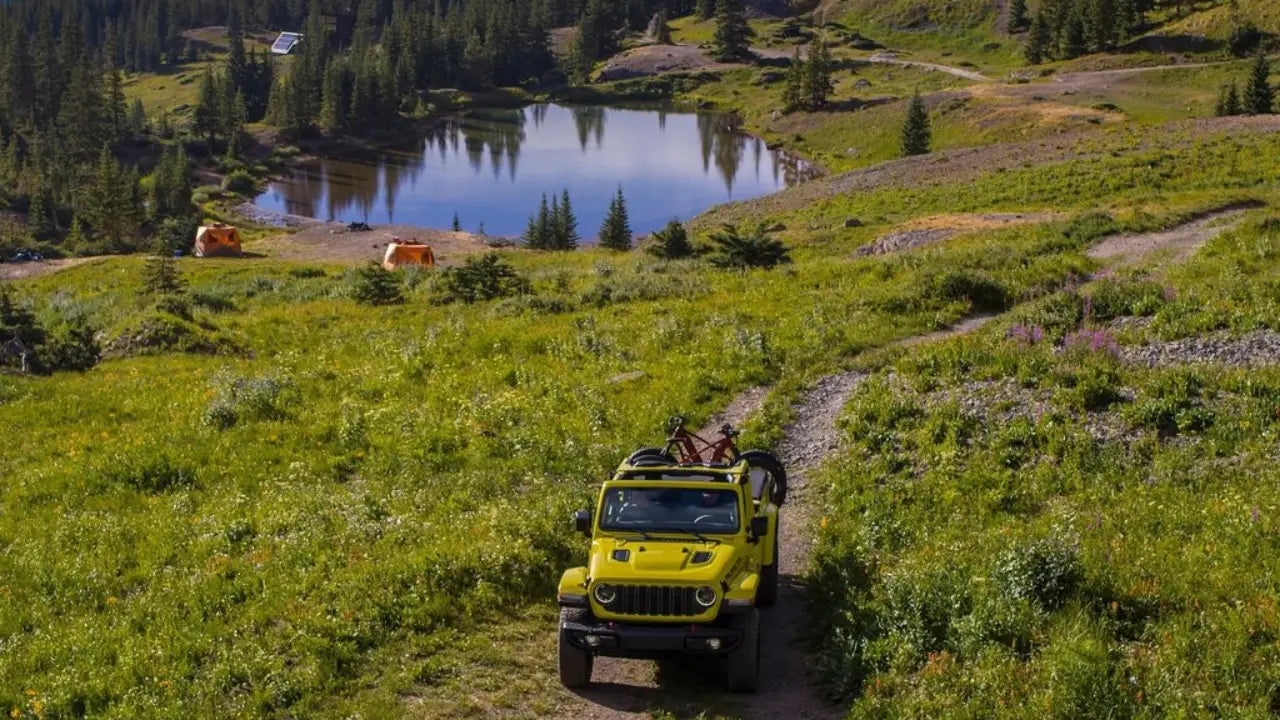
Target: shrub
[154, 332]
[160, 276]
[212, 300]
[245, 399]
[979, 290]
[1110, 299]
[1096, 387]
[1084, 229]
[72, 345]
[239, 182]
[1244, 38]
[671, 242]
[754, 249]
[375, 285]
[484, 278]
[307, 271]
[175, 305]
[147, 471]
[1046, 570]
[176, 234]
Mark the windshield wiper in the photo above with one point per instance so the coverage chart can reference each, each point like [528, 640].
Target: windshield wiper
[702, 537]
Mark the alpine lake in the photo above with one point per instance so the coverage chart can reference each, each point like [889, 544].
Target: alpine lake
[489, 168]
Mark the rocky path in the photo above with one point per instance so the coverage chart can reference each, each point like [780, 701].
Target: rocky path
[1181, 241]
[788, 689]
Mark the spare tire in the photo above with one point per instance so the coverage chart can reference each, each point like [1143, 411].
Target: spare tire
[770, 463]
[650, 456]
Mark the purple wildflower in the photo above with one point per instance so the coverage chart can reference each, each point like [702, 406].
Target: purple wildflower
[1098, 341]
[1025, 334]
[1254, 515]
[1170, 293]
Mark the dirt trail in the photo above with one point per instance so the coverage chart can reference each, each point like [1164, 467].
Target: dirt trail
[22, 270]
[788, 687]
[1181, 241]
[884, 58]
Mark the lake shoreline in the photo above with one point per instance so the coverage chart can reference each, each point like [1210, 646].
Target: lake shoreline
[392, 177]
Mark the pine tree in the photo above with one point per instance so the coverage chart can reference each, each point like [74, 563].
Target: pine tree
[1039, 37]
[564, 224]
[671, 242]
[457, 224]
[615, 232]
[76, 240]
[114, 100]
[1228, 101]
[662, 28]
[793, 93]
[732, 31]
[160, 276]
[817, 75]
[333, 106]
[1017, 16]
[1259, 96]
[915, 128]
[208, 115]
[706, 9]
[538, 235]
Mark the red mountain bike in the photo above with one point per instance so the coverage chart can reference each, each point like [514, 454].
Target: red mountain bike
[685, 447]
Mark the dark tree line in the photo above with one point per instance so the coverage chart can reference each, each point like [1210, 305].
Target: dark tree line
[1062, 29]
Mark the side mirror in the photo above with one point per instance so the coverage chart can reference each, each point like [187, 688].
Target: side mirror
[759, 527]
[582, 522]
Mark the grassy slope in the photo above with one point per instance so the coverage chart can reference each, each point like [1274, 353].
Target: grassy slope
[411, 474]
[336, 502]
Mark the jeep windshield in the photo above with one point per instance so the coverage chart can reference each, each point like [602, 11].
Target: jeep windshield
[668, 509]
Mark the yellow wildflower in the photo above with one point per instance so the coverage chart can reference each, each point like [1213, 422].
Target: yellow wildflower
[15, 713]
[825, 522]
[111, 600]
[31, 693]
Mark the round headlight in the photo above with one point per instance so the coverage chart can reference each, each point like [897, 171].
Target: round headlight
[706, 596]
[605, 594]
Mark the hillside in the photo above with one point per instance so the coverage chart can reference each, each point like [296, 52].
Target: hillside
[1027, 384]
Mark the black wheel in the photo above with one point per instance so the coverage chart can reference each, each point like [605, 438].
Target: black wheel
[651, 456]
[744, 663]
[575, 664]
[767, 595]
[768, 462]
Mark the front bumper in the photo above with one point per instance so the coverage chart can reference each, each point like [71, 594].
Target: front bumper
[625, 640]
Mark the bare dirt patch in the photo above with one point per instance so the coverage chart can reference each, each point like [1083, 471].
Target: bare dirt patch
[1255, 349]
[938, 228]
[22, 270]
[333, 243]
[1180, 242]
[655, 59]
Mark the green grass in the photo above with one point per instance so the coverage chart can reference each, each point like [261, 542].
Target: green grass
[978, 567]
[396, 478]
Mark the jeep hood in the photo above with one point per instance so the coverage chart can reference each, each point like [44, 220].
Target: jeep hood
[668, 559]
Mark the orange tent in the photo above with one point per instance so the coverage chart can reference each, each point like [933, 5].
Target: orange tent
[401, 254]
[217, 240]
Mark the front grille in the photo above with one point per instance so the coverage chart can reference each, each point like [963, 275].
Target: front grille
[656, 600]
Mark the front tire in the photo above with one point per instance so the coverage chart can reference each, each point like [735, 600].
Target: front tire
[744, 663]
[575, 664]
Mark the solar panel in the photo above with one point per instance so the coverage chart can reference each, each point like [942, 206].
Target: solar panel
[285, 43]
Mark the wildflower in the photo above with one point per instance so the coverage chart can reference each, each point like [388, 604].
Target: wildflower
[31, 693]
[111, 600]
[825, 521]
[1254, 515]
[15, 713]
[165, 683]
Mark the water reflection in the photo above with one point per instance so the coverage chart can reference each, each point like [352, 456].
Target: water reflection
[491, 166]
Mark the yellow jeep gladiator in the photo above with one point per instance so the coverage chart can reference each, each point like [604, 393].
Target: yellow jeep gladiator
[684, 550]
